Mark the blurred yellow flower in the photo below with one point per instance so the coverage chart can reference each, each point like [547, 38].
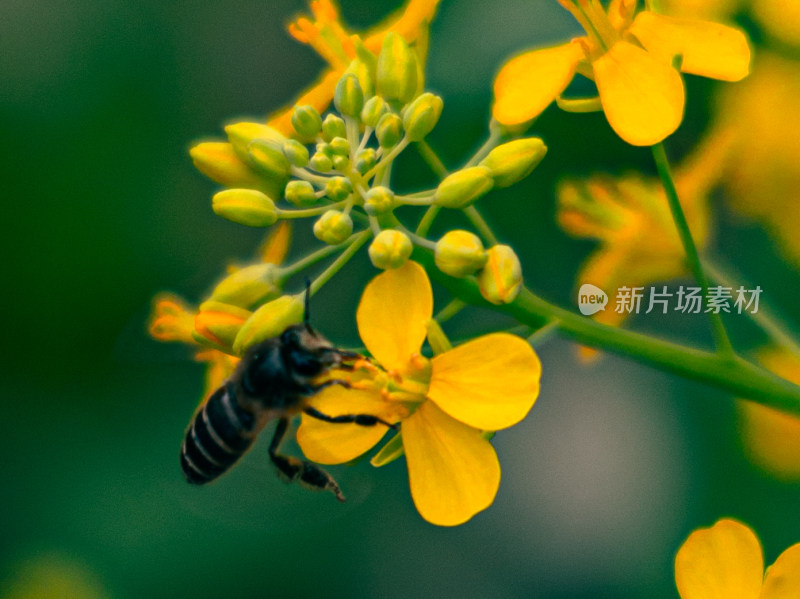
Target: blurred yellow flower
[444, 403]
[630, 57]
[714, 10]
[771, 438]
[725, 561]
[780, 19]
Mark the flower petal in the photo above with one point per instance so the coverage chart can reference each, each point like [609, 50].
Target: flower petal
[334, 443]
[489, 383]
[721, 562]
[393, 314]
[410, 22]
[452, 470]
[708, 49]
[528, 83]
[642, 97]
[783, 577]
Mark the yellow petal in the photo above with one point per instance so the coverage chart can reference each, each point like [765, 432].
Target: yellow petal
[708, 49]
[452, 470]
[642, 97]
[489, 383]
[393, 314]
[276, 245]
[334, 443]
[721, 562]
[528, 83]
[783, 577]
[409, 22]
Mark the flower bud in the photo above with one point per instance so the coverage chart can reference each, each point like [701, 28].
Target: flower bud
[241, 134]
[269, 159]
[250, 286]
[364, 71]
[365, 160]
[397, 69]
[421, 116]
[463, 187]
[296, 153]
[300, 194]
[459, 254]
[338, 188]
[378, 200]
[340, 145]
[513, 161]
[373, 110]
[389, 130]
[306, 121]
[333, 227]
[332, 127]
[390, 249]
[348, 97]
[321, 163]
[269, 321]
[217, 324]
[245, 206]
[219, 162]
[340, 162]
[501, 279]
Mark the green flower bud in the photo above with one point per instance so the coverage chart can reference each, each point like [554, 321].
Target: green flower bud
[501, 279]
[321, 163]
[378, 200]
[245, 206]
[306, 121]
[324, 147]
[421, 116]
[348, 97]
[269, 321]
[216, 324]
[300, 193]
[269, 159]
[373, 110]
[464, 187]
[397, 69]
[249, 287]
[365, 73]
[513, 161]
[365, 160]
[340, 145]
[241, 134]
[332, 127]
[389, 130]
[338, 188]
[459, 254]
[390, 249]
[333, 227]
[340, 162]
[296, 153]
[219, 162]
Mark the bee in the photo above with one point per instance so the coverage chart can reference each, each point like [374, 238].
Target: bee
[273, 381]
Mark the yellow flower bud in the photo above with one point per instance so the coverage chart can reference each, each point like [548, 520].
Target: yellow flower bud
[306, 121]
[270, 320]
[365, 160]
[348, 97]
[217, 324]
[268, 158]
[333, 227]
[464, 187]
[333, 126]
[219, 162]
[378, 200]
[373, 110]
[250, 286]
[459, 254]
[241, 134]
[513, 161]
[365, 73]
[340, 145]
[397, 69]
[321, 162]
[300, 193]
[501, 279]
[245, 206]
[390, 249]
[389, 130]
[338, 188]
[421, 116]
[340, 162]
[295, 152]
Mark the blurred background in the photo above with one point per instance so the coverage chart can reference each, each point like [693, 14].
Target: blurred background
[613, 468]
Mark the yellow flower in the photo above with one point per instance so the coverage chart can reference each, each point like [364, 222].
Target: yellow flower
[335, 44]
[725, 562]
[779, 19]
[444, 403]
[716, 10]
[630, 57]
[771, 438]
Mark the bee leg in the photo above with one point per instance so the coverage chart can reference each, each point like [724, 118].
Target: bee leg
[305, 473]
[313, 389]
[360, 419]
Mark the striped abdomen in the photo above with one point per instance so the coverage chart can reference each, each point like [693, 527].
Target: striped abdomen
[219, 434]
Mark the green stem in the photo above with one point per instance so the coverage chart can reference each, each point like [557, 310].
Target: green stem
[481, 225]
[732, 374]
[303, 263]
[427, 220]
[387, 159]
[355, 242]
[489, 145]
[541, 335]
[305, 213]
[449, 311]
[432, 158]
[721, 340]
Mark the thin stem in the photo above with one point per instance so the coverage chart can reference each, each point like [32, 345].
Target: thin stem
[432, 158]
[489, 145]
[721, 340]
[414, 201]
[289, 214]
[385, 160]
[310, 260]
[541, 335]
[355, 242]
[450, 310]
[302, 173]
[427, 220]
[481, 225]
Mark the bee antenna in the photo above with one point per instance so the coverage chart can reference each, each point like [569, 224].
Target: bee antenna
[307, 308]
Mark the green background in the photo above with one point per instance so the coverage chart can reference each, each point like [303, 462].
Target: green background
[99, 103]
